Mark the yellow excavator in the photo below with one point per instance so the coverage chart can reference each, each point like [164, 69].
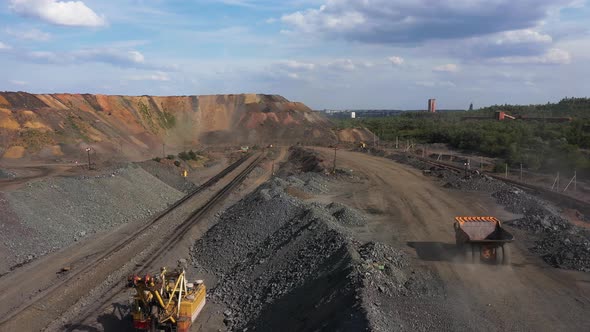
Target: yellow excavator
[166, 301]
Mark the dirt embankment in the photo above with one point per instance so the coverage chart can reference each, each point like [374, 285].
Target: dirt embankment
[57, 126]
[355, 135]
[50, 214]
[277, 262]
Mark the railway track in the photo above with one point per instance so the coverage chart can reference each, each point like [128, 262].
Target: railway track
[38, 304]
[564, 200]
[146, 265]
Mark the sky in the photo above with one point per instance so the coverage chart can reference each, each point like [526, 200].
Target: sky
[334, 54]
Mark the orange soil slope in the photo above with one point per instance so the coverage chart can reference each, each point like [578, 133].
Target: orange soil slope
[51, 125]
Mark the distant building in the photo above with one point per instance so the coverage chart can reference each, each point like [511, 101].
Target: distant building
[432, 105]
[353, 115]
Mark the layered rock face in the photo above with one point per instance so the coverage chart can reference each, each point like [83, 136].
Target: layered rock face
[57, 125]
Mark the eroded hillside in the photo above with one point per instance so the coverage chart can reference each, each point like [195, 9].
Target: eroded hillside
[55, 125]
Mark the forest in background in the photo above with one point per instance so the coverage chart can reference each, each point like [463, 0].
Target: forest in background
[539, 145]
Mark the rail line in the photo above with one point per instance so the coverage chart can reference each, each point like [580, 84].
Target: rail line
[105, 255]
[170, 242]
[566, 200]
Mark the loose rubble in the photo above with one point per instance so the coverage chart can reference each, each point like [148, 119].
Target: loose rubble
[168, 174]
[47, 215]
[560, 243]
[285, 264]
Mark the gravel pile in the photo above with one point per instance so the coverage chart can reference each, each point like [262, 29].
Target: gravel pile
[473, 182]
[346, 215]
[168, 174]
[47, 215]
[559, 243]
[302, 160]
[285, 264]
[398, 296]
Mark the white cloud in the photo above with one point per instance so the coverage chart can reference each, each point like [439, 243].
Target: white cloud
[405, 21]
[432, 84]
[20, 83]
[342, 64]
[297, 65]
[114, 56]
[68, 13]
[554, 56]
[522, 36]
[447, 68]
[320, 19]
[31, 34]
[4, 46]
[396, 60]
[157, 76]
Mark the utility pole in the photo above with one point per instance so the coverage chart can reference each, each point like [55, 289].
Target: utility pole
[506, 174]
[334, 170]
[397, 142]
[88, 152]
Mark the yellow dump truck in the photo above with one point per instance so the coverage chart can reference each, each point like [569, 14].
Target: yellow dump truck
[482, 239]
[166, 301]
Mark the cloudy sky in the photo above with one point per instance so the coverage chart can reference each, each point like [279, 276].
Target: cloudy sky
[325, 53]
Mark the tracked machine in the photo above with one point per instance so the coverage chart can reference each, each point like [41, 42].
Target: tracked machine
[166, 301]
[482, 239]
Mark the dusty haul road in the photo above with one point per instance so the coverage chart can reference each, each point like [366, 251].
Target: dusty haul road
[412, 211]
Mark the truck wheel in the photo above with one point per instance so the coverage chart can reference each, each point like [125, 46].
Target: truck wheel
[475, 254]
[505, 255]
[465, 252]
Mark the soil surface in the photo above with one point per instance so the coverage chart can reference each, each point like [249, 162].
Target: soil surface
[414, 211]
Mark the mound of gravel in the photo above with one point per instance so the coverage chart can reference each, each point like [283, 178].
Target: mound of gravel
[284, 264]
[559, 243]
[47, 215]
[302, 160]
[168, 174]
[346, 215]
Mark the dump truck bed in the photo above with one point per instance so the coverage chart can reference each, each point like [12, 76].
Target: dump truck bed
[481, 230]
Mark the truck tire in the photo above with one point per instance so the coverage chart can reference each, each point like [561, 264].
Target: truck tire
[505, 250]
[465, 252]
[475, 254]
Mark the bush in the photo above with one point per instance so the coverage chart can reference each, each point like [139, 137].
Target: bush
[192, 155]
[177, 163]
[500, 167]
[170, 156]
[157, 159]
[183, 155]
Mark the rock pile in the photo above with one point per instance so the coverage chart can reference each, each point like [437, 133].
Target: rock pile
[168, 174]
[284, 264]
[46, 215]
[560, 243]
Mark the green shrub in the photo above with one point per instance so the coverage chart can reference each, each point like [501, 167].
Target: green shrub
[171, 157]
[177, 163]
[157, 159]
[183, 155]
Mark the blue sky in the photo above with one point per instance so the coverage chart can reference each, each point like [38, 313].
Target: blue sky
[326, 53]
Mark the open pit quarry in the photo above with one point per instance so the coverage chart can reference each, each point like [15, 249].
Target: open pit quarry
[287, 235]
[61, 126]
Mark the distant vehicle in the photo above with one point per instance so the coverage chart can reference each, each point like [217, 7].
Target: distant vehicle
[483, 239]
[166, 302]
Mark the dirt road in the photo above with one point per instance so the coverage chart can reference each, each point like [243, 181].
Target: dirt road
[413, 211]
